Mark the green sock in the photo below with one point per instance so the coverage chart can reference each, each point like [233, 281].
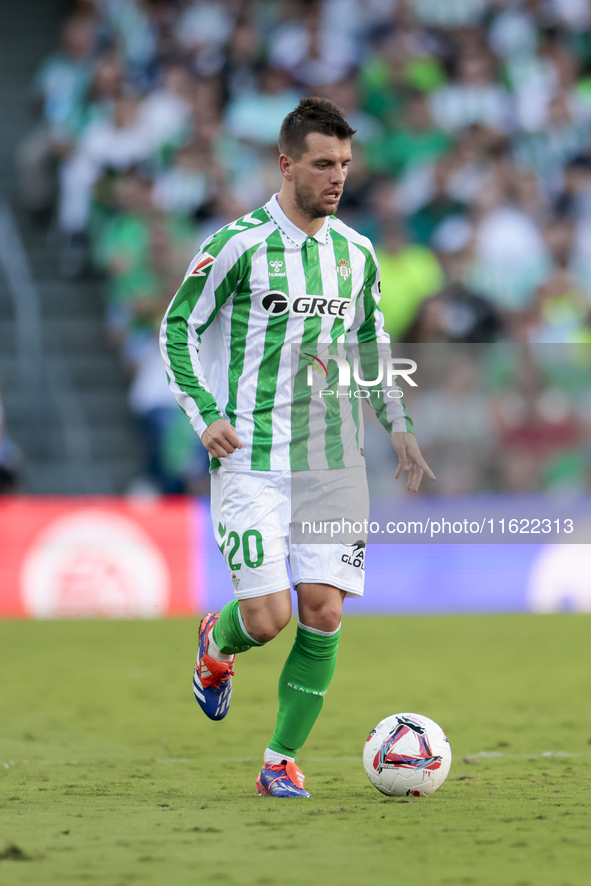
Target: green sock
[229, 632]
[303, 684]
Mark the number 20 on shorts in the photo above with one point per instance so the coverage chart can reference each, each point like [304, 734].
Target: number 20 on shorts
[251, 543]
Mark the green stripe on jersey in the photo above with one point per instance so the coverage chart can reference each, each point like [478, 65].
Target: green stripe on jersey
[262, 440]
[300, 411]
[238, 335]
[369, 355]
[334, 445]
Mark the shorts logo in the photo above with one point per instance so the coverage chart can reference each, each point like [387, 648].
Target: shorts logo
[343, 269]
[277, 303]
[202, 265]
[276, 272]
[357, 555]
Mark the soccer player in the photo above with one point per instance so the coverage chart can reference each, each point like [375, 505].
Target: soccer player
[226, 339]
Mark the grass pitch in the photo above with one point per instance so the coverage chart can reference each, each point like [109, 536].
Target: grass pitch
[110, 774]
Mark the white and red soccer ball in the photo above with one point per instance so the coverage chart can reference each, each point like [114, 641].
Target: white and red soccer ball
[407, 755]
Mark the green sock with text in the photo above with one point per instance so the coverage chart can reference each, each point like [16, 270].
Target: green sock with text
[229, 632]
[303, 684]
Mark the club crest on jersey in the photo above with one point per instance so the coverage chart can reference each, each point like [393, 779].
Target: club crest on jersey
[277, 266]
[343, 268]
[202, 265]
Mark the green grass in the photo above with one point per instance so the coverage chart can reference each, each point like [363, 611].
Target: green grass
[113, 776]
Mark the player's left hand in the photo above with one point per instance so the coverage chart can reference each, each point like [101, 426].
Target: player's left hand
[410, 459]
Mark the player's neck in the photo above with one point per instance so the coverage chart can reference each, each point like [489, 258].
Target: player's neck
[306, 224]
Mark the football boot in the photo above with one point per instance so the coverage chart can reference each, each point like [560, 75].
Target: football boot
[283, 779]
[212, 680]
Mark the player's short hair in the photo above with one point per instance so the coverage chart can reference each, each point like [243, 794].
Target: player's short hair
[311, 115]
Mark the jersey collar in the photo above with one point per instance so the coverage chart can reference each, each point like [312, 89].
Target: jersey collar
[293, 233]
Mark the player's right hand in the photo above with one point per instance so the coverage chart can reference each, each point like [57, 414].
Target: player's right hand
[220, 439]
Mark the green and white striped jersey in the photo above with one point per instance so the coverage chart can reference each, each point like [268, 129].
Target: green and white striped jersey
[260, 291]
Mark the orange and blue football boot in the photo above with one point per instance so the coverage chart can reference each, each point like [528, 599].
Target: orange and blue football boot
[212, 680]
[283, 779]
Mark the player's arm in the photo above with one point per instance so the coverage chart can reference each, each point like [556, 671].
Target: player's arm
[211, 280]
[373, 344]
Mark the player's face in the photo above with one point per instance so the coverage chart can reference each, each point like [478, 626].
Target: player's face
[319, 176]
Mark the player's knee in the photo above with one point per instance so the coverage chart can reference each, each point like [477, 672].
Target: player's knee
[264, 634]
[323, 617]
[264, 630]
[263, 624]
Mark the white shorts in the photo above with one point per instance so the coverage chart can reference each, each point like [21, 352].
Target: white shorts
[251, 514]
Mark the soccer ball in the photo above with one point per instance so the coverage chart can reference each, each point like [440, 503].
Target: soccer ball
[407, 755]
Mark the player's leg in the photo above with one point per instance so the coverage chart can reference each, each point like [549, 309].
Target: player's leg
[246, 511]
[240, 625]
[303, 683]
[309, 667]
[323, 576]
[252, 621]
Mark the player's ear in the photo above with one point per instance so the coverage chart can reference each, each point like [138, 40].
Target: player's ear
[286, 166]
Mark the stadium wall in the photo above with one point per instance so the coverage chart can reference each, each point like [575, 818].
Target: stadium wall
[115, 557]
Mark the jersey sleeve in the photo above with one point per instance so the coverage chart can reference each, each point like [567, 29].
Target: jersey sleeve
[211, 280]
[372, 344]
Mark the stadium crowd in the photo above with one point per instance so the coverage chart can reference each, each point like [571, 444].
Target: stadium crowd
[158, 122]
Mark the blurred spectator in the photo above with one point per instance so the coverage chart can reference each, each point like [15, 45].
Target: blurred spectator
[175, 459]
[473, 96]
[59, 91]
[118, 144]
[439, 204]
[257, 116]
[563, 138]
[457, 426]
[416, 141]
[204, 28]
[189, 183]
[451, 14]
[312, 45]
[146, 255]
[410, 273]
[540, 432]
[510, 256]
[10, 460]
[454, 315]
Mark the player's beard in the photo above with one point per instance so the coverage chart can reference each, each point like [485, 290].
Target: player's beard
[307, 202]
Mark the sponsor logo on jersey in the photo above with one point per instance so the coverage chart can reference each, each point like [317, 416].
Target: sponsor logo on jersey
[202, 265]
[277, 303]
[276, 269]
[343, 269]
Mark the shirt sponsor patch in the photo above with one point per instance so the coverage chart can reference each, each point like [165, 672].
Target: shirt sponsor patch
[202, 265]
[277, 303]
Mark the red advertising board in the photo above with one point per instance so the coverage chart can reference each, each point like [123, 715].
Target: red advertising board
[99, 557]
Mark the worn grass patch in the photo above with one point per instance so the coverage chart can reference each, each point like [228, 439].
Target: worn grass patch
[110, 774]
